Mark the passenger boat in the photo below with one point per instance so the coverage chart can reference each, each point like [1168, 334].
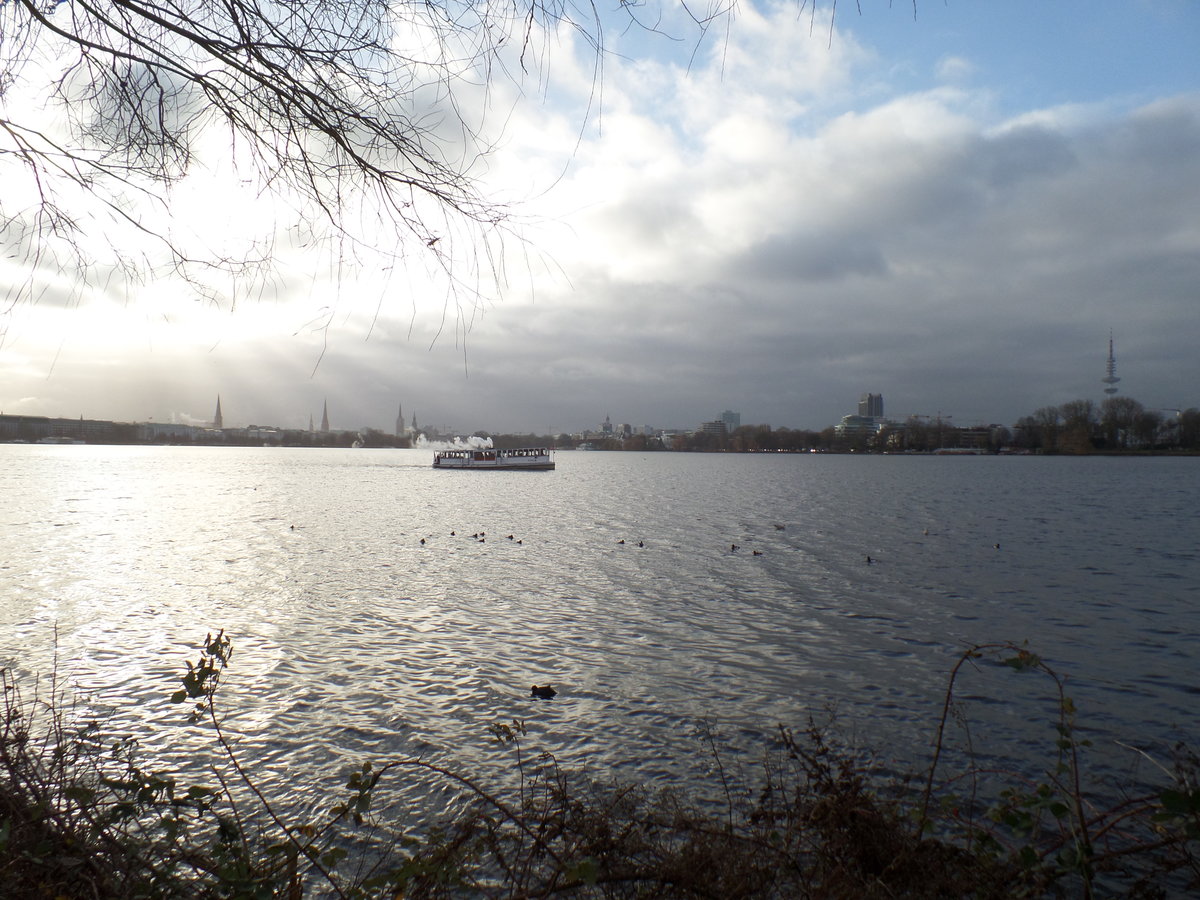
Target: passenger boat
[523, 458]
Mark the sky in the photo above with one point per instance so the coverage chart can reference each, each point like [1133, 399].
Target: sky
[954, 210]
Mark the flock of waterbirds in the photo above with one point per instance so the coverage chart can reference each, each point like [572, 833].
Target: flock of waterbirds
[481, 537]
[546, 691]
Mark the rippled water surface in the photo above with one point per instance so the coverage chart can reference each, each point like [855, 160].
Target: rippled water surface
[352, 637]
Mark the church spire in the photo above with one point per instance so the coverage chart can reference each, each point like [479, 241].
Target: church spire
[218, 422]
[325, 417]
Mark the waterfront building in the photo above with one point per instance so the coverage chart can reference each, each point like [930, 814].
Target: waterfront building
[869, 418]
[43, 429]
[857, 424]
[732, 420]
[174, 432]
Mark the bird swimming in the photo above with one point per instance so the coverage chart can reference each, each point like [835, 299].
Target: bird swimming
[545, 692]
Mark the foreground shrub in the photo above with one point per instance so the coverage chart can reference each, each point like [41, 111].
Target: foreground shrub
[80, 817]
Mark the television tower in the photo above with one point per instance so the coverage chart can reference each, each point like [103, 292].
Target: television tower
[1110, 378]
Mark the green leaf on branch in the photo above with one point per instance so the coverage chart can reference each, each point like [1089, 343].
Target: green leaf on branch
[585, 870]
[1023, 661]
[1180, 803]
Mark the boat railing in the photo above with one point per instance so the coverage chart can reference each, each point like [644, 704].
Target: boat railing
[492, 456]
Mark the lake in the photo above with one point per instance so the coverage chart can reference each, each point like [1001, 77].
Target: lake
[354, 639]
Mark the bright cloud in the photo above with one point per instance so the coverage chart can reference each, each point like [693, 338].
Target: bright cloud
[774, 223]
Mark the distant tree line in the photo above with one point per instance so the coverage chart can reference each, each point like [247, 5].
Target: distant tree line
[913, 436]
[1117, 424]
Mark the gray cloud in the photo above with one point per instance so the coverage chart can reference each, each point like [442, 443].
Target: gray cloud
[957, 264]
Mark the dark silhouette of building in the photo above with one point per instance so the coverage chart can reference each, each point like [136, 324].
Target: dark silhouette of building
[871, 406]
[1110, 377]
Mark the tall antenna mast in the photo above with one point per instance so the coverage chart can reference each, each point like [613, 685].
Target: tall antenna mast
[1110, 378]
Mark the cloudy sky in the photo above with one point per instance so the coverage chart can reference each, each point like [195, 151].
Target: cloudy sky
[954, 211]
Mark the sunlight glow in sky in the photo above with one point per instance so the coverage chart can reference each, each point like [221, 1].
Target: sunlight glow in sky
[953, 211]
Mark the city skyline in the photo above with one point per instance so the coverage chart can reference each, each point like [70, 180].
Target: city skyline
[869, 408]
[956, 211]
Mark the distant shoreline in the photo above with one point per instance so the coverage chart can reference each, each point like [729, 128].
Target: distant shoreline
[250, 445]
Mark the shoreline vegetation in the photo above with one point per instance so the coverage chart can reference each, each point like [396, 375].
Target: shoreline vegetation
[82, 816]
[1120, 425]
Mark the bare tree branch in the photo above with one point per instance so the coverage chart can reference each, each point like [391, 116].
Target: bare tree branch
[365, 122]
[349, 113]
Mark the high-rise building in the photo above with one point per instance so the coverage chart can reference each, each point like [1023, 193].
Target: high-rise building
[1110, 377]
[871, 406]
[732, 420]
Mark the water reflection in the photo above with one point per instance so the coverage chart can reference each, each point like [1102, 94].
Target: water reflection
[353, 637]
